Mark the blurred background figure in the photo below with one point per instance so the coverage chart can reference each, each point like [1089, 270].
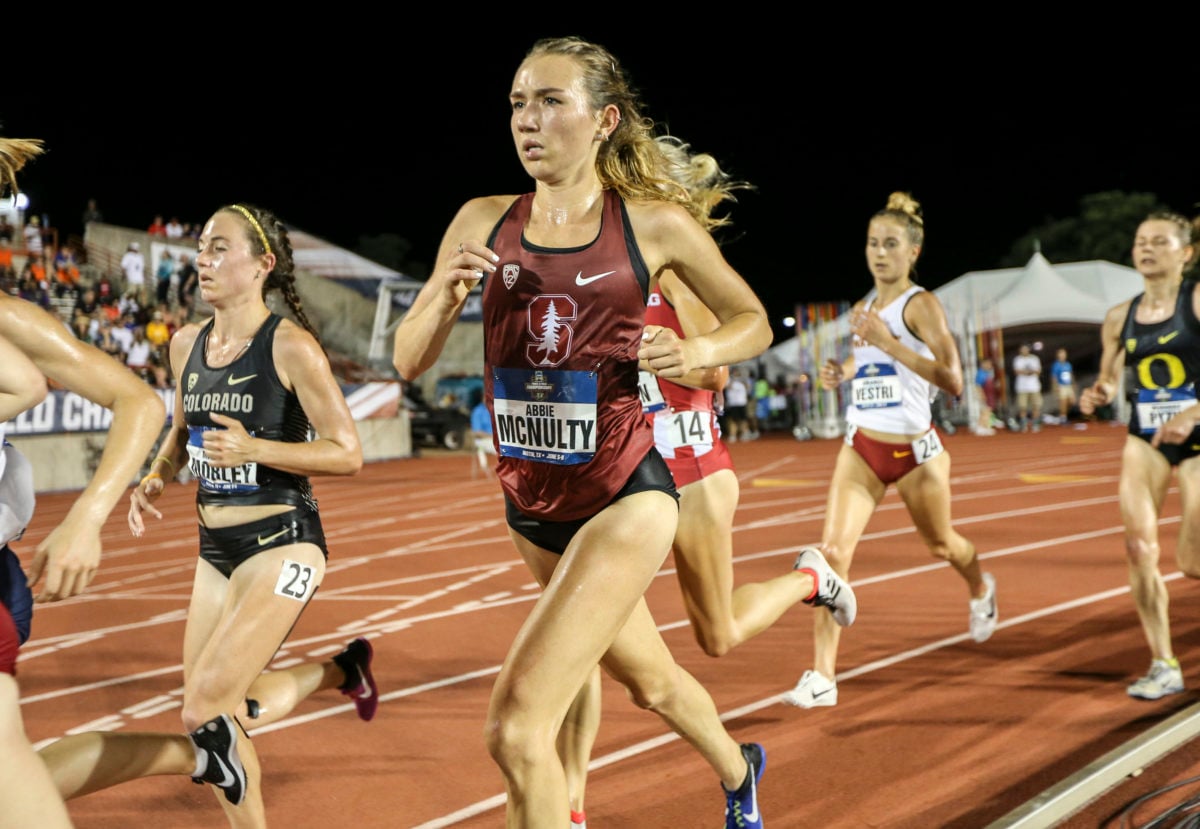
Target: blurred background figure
[1027, 371]
[1062, 375]
[985, 384]
[481, 434]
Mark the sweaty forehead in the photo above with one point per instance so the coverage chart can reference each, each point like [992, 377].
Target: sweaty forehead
[884, 228]
[1157, 227]
[225, 225]
[543, 73]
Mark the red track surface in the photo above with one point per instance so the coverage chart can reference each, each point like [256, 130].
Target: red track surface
[932, 729]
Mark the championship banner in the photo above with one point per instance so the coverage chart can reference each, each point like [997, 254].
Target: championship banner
[65, 411]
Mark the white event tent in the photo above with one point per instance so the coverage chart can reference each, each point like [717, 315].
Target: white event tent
[1060, 306]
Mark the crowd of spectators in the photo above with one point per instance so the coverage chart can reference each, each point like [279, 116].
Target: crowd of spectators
[126, 315]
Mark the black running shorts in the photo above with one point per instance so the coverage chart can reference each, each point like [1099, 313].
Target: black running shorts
[227, 547]
[652, 474]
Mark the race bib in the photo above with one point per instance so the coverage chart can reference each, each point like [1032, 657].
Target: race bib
[233, 480]
[686, 429]
[1156, 406]
[650, 392]
[875, 386]
[547, 416]
[927, 447]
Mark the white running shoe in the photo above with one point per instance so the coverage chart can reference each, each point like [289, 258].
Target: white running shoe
[983, 612]
[1165, 678]
[812, 691]
[830, 590]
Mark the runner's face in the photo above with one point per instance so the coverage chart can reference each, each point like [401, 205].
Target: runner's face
[890, 256]
[1157, 249]
[226, 263]
[553, 127]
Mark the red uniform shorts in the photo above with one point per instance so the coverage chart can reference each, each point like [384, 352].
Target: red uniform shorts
[689, 470]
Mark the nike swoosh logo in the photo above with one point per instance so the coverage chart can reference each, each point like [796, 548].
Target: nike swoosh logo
[580, 279]
[896, 454]
[1166, 338]
[815, 695]
[366, 694]
[229, 778]
[752, 817]
[271, 538]
[233, 381]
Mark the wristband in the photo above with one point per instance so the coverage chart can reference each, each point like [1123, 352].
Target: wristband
[142, 482]
[165, 460]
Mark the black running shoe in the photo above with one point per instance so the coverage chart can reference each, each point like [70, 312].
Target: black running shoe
[217, 739]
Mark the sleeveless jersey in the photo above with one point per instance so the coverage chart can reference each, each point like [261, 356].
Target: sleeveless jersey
[561, 333]
[1162, 363]
[886, 395]
[248, 390]
[684, 421]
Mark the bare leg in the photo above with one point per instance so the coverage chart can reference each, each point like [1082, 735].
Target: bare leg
[84, 763]
[577, 736]
[926, 493]
[26, 788]
[853, 496]
[1145, 476]
[723, 616]
[593, 598]
[234, 628]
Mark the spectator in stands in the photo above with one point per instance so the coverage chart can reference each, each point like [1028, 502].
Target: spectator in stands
[8, 268]
[7, 231]
[108, 343]
[162, 277]
[130, 306]
[66, 273]
[106, 294]
[88, 301]
[174, 229]
[32, 234]
[160, 370]
[35, 269]
[30, 289]
[91, 213]
[188, 279]
[158, 332]
[157, 227]
[81, 324]
[123, 332]
[133, 266]
[137, 356]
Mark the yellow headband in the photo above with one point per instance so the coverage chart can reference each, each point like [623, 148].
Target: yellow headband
[262, 237]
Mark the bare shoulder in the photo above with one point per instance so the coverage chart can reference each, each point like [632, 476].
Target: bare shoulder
[654, 218]
[294, 342]
[184, 339]
[926, 304]
[484, 209]
[1116, 314]
[669, 236]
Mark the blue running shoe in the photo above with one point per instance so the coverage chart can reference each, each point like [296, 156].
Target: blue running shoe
[741, 806]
